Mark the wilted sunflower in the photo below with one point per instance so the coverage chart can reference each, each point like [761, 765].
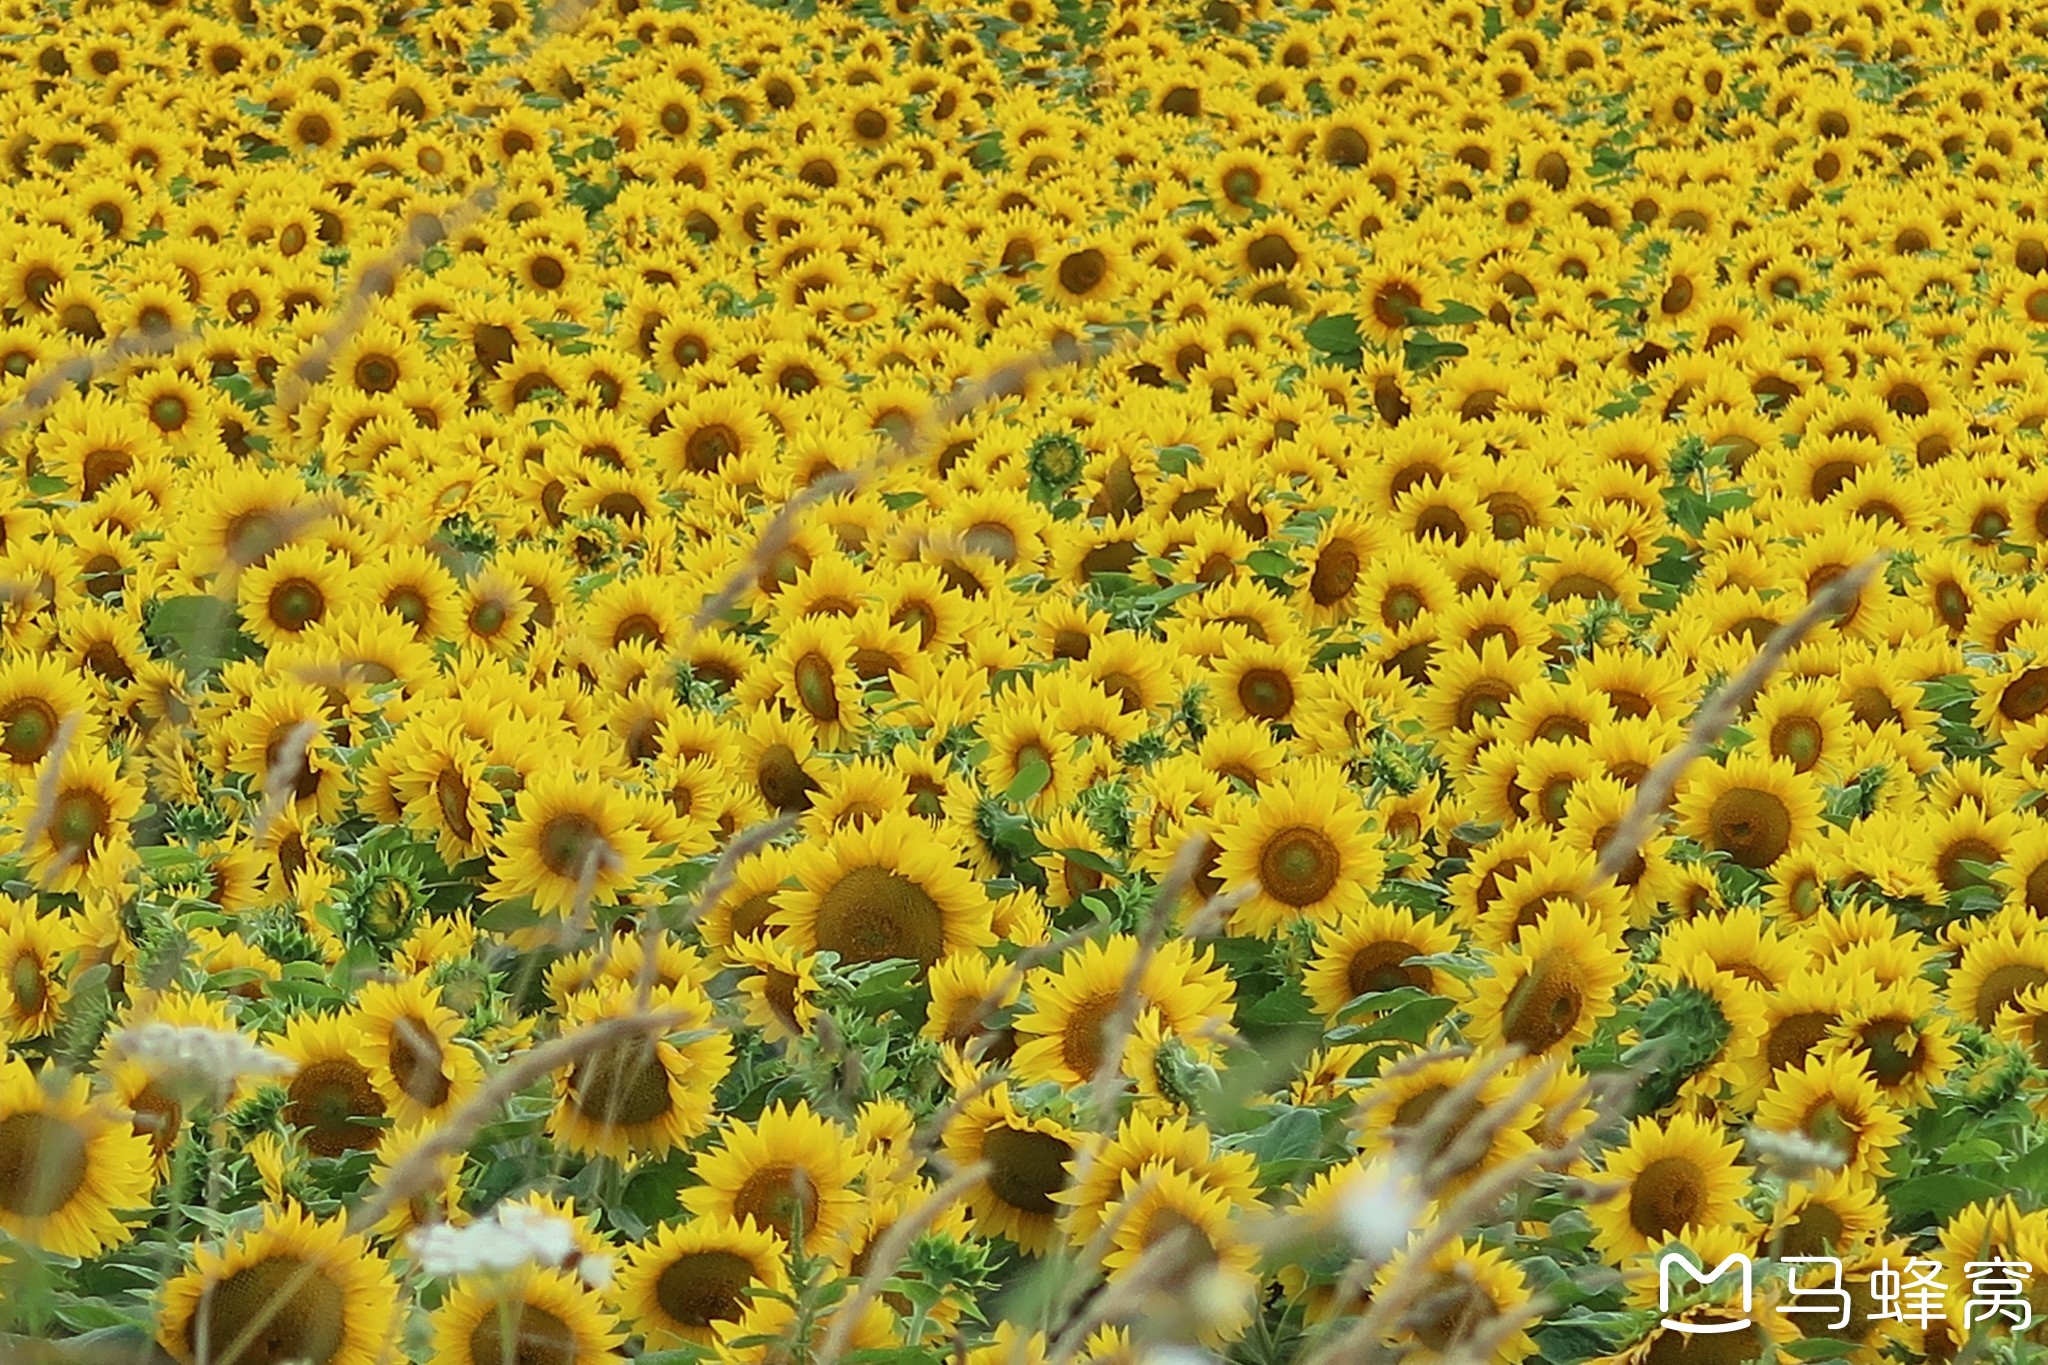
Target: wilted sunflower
[290, 1289]
[791, 1168]
[71, 1167]
[686, 1277]
[887, 889]
[640, 1094]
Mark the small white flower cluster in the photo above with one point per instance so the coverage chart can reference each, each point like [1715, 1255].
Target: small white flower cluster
[191, 1061]
[1794, 1155]
[1378, 1209]
[507, 1238]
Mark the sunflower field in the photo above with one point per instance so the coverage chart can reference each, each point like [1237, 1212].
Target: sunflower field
[1023, 682]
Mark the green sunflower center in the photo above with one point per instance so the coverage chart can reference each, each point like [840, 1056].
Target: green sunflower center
[30, 725]
[570, 845]
[42, 1164]
[80, 817]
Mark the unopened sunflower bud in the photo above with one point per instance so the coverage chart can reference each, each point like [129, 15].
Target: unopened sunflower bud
[192, 1063]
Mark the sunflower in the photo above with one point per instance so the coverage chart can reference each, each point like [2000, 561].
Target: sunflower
[1451, 1118]
[409, 1044]
[791, 1169]
[1551, 988]
[71, 1168]
[1467, 1295]
[1833, 1100]
[295, 588]
[1996, 967]
[1677, 1177]
[1369, 951]
[292, 1288]
[1062, 1039]
[331, 1099]
[531, 1316]
[79, 830]
[684, 1278]
[640, 1094]
[781, 992]
[1303, 847]
[1751, 808]
[36, 956]
[573, 843]
[884, 890]
[1208, 1290]
[1028, 1161]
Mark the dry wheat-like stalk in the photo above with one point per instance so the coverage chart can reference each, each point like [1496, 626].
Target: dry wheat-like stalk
[918, 437]
[415, 1170]
[1719, 712]
[888, 1257]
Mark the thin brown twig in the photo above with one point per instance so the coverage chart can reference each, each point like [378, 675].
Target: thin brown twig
[1719, 712]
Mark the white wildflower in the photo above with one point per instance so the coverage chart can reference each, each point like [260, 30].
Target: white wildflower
[192, 1062]
[509, 1237]
[1794, 1155]
[1377, 1209]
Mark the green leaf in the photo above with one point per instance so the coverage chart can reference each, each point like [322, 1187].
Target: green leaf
[198, 631]
[1285, 1006]
[1821, 1348]
[1270, 563]
[1336, 335]
[1937, 1198]
[1031, 780]
[1285, 1147]
[1409, 1023]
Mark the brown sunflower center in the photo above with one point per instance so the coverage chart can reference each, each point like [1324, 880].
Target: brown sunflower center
[1298, 866]
[1752, 827]
[416, 1062]
[815, 687]
[29, 726]
[329, 1098]
[279, 1309]
[1449, 1311]
[42, 1164]
[451, 794]
[1335, 573]
[570, 845]
[521, 1334]
[783, 782]
[702, 1287]
[1794, 1037]
[1545, 1005]
[1266, 693]
[1814, 1232]
[1377, 967]
[25, 979]
[776, 1197]
[624, 1083]
[296, 604]
[871, 914]
[1083, 270]
[1026, 1168]
[1665, 1196]
[1081, 1040]
[157, 1117]
[2003, 985]
[2026, 696]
